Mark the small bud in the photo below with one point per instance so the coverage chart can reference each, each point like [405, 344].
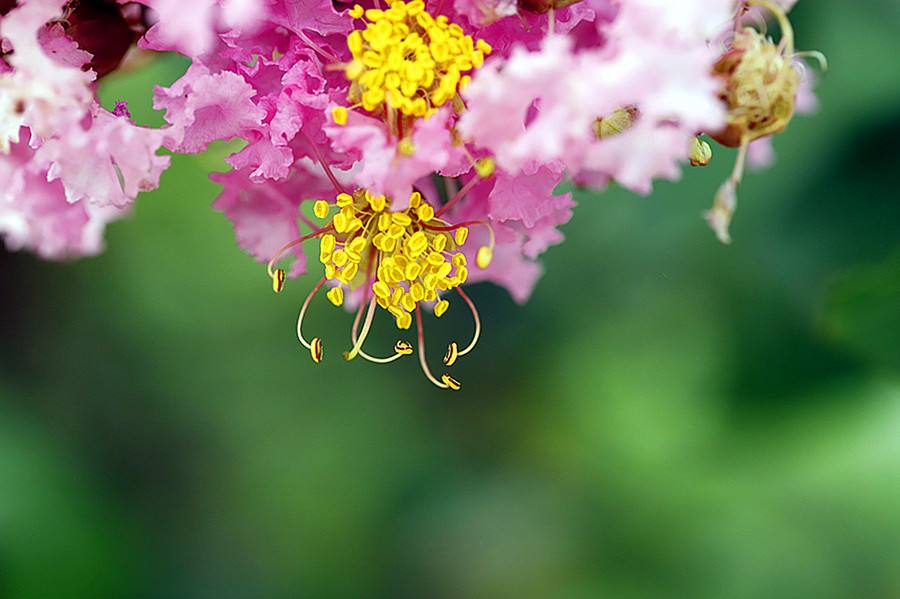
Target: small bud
[701, 153]
[615, 123]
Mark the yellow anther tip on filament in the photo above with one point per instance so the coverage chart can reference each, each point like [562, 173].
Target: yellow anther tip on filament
[484, 257]
[403, 348]
[451, 382]
[406, 147]
[356, 12]
[451, 355]
[441, 307]
[485, 167]
[339, 115]
[315, 350]
[278, 280]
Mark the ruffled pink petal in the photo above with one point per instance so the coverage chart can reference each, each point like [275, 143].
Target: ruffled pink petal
[266, 216]
[203, 107]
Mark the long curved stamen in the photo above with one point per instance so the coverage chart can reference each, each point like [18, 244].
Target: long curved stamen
[401, 348]
[367, 326]
[290, 245]
[448, 382]
[477, 333]
[315, 347]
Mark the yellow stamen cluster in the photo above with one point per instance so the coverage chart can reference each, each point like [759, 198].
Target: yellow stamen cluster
[409, 60]
[410, 261]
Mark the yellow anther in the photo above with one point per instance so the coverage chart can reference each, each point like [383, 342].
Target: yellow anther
[339, 115]
[336, 296]
[384, 222]
[316, 350]
[406, 147]
[415, 199]
[401, 219]
[328, 243]
[435, 259]
[439, 243]
[355, 248]
[460, 236]
[441, 307]
[344, 200]
[354, 68]
[425, 212]
[484, 256]
[459, 260]
[451, 355]
[412, 271]
[404, 320]
[381, 289]
[349, 272]
[485, 167]
[356, 12]
[484, 46]
[278, 280]
[340, 258]
[377, 203]
[403, 348]
[320, 208]
[451, 382]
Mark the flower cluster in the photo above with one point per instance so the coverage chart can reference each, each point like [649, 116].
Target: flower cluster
[428, 137]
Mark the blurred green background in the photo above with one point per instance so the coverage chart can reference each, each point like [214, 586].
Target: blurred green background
[690, 420]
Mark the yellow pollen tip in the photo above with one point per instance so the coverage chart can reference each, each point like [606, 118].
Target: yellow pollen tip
[336, 296]
[339, 115]
[485, 167]
[441, 307]
[484, 257]
[320, 208]
[278, 280]
[403, 348]
[406, 147]
[451, 382]
[315, 350]
[451, 355]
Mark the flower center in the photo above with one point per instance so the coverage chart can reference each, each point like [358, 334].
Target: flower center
[399, 259]
[407, 61]
[412, 254]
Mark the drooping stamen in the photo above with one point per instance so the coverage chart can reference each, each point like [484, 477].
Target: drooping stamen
[475, 335]
[787, 31]
[315, 346]
[401, 348]
[367, 326]
[448, 382]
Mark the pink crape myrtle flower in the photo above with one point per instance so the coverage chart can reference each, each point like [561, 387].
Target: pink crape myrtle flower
[70, 166]
[655, 62]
